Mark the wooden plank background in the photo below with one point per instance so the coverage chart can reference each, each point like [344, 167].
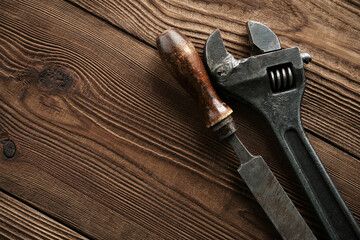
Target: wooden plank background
[19, 221]
[109, 146]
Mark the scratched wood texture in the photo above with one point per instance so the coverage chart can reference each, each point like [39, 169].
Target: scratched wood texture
[19, 221]
[329, 30]
[110, 145]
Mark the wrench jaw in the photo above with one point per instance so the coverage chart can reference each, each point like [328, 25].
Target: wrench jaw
[218, 61]
[261, 38]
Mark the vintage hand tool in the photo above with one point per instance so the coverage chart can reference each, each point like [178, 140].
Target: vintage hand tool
[272, 81]
[184, 63]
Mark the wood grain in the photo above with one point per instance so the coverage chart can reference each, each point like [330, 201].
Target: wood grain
[19, 221]
[110, 144]
[328, 30]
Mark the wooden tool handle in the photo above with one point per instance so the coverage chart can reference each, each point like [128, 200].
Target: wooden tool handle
[184, 63]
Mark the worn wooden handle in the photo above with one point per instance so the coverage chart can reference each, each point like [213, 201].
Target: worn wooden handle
[184, 63]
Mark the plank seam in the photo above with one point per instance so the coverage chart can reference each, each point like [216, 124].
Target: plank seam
[110, 23]
[44, 213]
[332, 144]
[151, 46]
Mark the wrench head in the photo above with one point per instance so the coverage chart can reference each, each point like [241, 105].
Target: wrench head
[272, 81]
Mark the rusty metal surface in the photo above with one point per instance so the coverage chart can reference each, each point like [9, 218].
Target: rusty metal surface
[270, 195]
[273, 83]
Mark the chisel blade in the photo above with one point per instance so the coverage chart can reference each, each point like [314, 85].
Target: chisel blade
[270, 195]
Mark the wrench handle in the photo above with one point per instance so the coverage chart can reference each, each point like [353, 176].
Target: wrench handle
[327, 201]
[184, 63]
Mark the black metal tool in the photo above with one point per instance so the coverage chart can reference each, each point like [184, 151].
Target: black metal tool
[272, 81]
[184, 63]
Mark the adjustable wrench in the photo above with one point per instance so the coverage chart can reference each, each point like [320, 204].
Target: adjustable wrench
[272, 81]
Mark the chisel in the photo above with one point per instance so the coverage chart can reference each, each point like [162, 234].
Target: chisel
[184, 63]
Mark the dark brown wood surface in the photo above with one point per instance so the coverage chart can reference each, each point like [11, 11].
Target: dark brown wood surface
[329, 30]
[110, 145]
[19, 221]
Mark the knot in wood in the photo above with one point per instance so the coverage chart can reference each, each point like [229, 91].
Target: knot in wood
[54, 79]
[9, 149]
